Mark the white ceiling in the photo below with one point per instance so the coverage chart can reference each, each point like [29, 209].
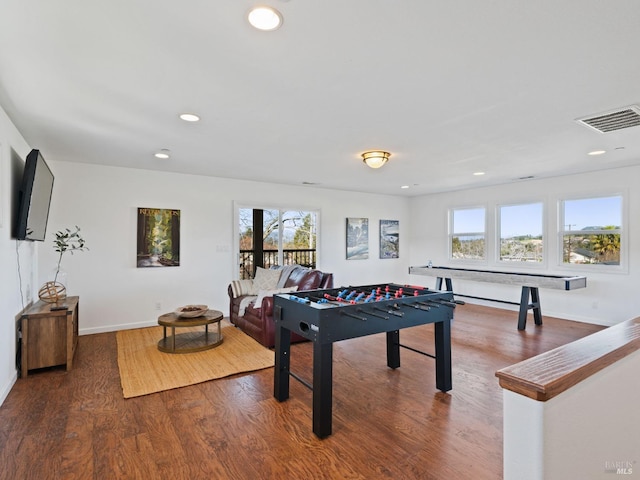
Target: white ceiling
[449, 87]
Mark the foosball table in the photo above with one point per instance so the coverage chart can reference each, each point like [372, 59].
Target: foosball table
[328, 316]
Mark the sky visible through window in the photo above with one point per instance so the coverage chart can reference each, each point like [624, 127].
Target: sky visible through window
[578, 214]
[469, 220]
[520, 220]
[592, 212]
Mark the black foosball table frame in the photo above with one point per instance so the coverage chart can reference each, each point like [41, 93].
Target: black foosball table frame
[322, 317]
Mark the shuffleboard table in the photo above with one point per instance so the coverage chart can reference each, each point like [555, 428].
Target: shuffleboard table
[530, 283]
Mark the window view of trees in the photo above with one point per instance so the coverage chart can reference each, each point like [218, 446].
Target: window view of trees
[521, 233]
[592, 231]
[467, 234]
[286, 237]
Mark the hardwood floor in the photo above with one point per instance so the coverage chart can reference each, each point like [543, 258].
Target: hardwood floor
[386, 423]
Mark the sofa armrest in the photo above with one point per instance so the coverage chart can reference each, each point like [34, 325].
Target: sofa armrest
[267, 307]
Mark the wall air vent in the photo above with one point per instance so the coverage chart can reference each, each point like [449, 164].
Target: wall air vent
[614, 120]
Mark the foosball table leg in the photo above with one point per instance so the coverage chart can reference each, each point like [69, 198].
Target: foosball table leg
[322, 388]
[393, 349]
[282, 363]
[442, 339]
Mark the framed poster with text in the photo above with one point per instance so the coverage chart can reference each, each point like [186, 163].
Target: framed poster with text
[158, 237]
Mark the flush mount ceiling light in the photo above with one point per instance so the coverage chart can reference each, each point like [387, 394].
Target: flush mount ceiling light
[164, 153]
[375, 158]
[265, 18]
[189, 117]
[596, 152]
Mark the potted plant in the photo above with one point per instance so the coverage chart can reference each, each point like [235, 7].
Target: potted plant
[65, 241]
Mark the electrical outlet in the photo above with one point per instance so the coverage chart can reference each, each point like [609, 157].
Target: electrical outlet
[158, 306]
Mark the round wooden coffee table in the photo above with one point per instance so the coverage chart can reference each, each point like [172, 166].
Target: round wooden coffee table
[192, 341]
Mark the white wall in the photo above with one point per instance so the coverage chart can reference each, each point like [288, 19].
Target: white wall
[609, 297]
[13, 148]
[114, 294]
[588, 431]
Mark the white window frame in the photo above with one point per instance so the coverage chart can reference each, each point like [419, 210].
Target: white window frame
[498, 239]
[622, 267]
[451, 234]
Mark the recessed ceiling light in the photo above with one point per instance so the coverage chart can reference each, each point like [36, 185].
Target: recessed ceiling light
[477, 174]
[164, 153]
[596, 152]
[404, 186]
[189, 117]
[265, 18]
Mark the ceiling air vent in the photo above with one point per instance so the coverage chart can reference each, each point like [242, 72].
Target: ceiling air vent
[615, 120]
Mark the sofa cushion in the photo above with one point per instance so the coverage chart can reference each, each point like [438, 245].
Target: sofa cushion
[269, 293]
[265, 280]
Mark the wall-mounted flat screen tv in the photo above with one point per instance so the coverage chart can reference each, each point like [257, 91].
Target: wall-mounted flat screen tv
[35, 198]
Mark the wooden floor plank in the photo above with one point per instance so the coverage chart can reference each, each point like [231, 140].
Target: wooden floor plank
[386, 423]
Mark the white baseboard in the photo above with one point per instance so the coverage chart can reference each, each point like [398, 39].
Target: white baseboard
[115, 328]
[4, 393]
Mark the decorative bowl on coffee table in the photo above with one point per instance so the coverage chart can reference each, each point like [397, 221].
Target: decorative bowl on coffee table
[191, 311]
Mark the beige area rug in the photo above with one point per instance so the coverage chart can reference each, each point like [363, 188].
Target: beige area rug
[144, 369]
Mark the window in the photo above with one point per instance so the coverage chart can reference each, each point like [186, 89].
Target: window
[275, 237]
[591, 231]
[467, 234]
[521, 233]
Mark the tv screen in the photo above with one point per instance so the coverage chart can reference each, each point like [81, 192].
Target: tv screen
[35, 198]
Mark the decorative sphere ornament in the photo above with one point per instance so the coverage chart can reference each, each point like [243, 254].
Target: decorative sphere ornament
[52, 292]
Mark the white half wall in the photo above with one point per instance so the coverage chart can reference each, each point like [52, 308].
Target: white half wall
[114, 294]
[609, 297]
[589, 431]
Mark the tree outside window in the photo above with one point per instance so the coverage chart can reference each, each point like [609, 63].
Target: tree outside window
[591, 231]
[521, 233]
[284, 237]
[467, 234]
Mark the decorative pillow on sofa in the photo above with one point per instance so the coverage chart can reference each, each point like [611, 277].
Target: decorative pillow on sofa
[241, 288]
[265, 280]
[269, 293]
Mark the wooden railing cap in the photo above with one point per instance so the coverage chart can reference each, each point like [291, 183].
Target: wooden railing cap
[546, 375]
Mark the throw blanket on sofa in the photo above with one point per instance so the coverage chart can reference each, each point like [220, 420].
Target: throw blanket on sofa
[286, 272]
[244, 303]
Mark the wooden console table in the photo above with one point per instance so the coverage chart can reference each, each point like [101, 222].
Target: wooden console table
[49, 337]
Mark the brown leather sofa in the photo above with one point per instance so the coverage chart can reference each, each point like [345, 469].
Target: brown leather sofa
[257, 320]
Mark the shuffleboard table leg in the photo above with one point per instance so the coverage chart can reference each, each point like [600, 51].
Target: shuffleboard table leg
[322, 388]
[442, 340]
[282, 363]
[447, 282]
[534, 294]
[535, 304]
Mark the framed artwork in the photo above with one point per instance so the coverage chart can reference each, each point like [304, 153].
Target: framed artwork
[357, 238]
[158, 237]
[389, 238]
